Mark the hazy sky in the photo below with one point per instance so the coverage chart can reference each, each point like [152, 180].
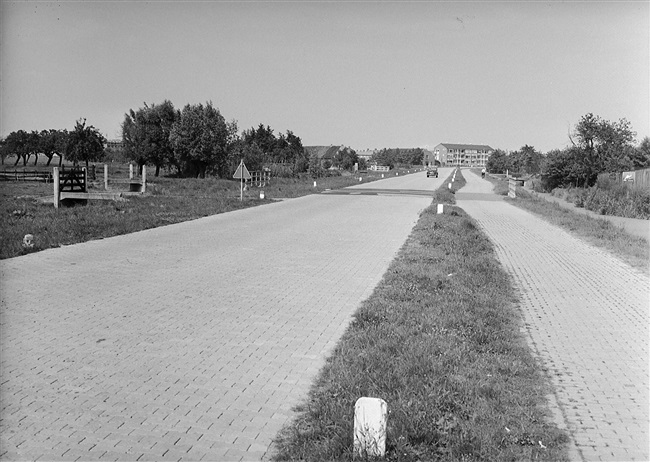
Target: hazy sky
[362, 74]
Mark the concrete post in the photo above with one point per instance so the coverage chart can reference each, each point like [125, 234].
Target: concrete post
[106, 177]
[370, 416]
[57, 194]
[130, 171]
[144, 178]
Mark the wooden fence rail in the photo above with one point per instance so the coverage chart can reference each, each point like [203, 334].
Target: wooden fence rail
[26, 175]
[39, 174]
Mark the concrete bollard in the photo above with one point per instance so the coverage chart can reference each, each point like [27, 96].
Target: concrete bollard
[449, 186]
[144, 179]
[105, 177]
[441, 208]
[370, 416]
[360, 179]
[382, 175]
[261, 194]
[57, 193]
[130, 171]
[314, 184]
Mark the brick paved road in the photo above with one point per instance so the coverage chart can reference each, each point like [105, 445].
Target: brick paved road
[190, 341]
[587, 314]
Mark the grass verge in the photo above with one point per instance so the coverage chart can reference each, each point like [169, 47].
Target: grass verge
[598, 232]
[168, 201]
[439, 340]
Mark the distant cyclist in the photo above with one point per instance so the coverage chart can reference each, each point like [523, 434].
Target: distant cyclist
[483, 173]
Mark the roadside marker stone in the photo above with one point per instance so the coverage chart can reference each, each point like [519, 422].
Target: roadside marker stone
[370, 427]
[441, 208]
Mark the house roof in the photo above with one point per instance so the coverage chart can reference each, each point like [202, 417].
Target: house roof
[323, 152]
[466, 146]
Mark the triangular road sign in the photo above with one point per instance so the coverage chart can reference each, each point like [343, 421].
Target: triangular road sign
[242, 172]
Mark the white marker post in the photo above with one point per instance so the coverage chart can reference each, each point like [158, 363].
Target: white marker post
[57, 192]
[441, 208]
[370, 416]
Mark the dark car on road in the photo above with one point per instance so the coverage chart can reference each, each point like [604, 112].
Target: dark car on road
[432, 171]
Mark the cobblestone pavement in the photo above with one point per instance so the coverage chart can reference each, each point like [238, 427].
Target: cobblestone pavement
[586, 313]
[187, 342]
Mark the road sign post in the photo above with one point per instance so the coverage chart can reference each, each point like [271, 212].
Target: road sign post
[243, 174]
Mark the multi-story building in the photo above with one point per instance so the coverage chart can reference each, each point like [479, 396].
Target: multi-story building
[461, 155]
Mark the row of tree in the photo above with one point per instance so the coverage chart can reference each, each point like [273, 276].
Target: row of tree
[194, 141]
[198, 140]
[597, 146]
[83, 144]
[399, 157]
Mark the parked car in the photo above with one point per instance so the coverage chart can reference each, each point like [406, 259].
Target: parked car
[432, 171]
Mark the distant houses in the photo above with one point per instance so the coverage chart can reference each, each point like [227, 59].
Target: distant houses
[324, 153]
[462, 155]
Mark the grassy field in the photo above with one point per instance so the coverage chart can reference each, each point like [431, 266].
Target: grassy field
[168, 200]
[439, 340]
[598, 232]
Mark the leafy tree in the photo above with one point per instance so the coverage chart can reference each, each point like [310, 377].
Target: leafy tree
[498, 162]
[53, 142]
[602, 146]
[640, 158]
[251, 154]
[345, 159]
[525, 160]
[146, 135]
[84, 144]
[315, 169]
[22, 144]
[201, 139]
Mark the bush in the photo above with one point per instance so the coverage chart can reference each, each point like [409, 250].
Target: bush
[608, 197]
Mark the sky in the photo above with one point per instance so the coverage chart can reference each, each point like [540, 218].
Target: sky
[363, 74]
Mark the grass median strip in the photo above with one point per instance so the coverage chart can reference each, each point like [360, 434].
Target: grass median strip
[439, 340]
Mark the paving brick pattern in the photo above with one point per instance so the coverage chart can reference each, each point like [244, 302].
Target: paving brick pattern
[187, 342]
[587, 316]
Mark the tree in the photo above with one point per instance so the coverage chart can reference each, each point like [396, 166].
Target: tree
[498, 162]
[640, 158]
[345, 159]
[201, 139]
[22, 144]
[84, 144]
[602, 146]
[525, 160]
[53, 142]
[146, 132]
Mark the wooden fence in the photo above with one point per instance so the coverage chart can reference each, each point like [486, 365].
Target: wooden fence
[26, 175]
[259, 178]
[639, 178]
[39, 174]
